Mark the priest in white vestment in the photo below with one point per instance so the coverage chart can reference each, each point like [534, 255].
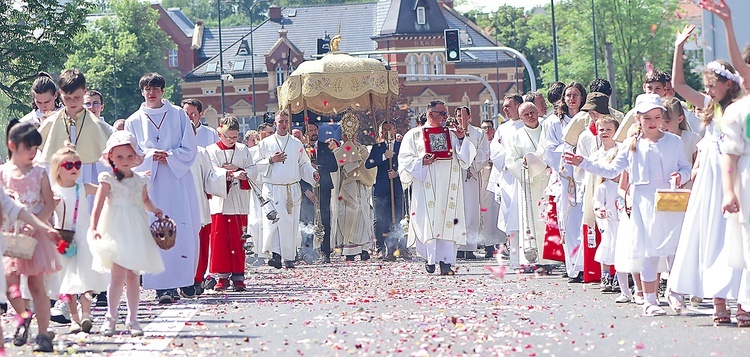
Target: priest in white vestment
[525, 164]
[204, 134]
[472, 182]
[281, 161]
[165, 134]
[352, 229]
[437, 225]
[490, 236]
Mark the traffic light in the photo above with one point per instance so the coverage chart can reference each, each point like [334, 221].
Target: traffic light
[452, 45]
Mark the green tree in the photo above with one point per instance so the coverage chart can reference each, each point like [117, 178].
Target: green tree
[35, 35]
[125, 44]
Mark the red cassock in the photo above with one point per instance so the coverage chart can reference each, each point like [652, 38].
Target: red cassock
[205, 237]
[227, 250]
[553, 249]
[592, 270]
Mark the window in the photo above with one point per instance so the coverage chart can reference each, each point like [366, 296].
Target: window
[426, 67]
[211, 67]
[280, 76]
[421, 18]
[173, 62]
[439, 65]
[246, 123]
[239, 65]
[485, 109]
[241, 90]
[209, 91]
[411, 66]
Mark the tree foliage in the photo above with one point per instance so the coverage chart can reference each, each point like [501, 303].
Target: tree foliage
[35, 35]
[129, 42]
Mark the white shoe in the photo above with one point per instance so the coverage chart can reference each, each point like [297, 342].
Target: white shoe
[623, 299]
[74, 327]
[639, 300]
[653, 310]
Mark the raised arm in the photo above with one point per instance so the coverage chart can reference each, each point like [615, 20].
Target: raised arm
[678, 73]
[721, 10]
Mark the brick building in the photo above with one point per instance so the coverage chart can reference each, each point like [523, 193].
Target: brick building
[289, 36]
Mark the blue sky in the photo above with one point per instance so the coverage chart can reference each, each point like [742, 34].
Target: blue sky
[493, 4]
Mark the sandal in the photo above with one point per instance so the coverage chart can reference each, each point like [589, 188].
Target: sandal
[22, 331]
[722, 318]
[653, 310]
[44, 343]
[135, 329]
[676, 302]
[743, 319]
[109, 327]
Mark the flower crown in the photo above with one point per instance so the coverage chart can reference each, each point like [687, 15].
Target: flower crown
[719, 69]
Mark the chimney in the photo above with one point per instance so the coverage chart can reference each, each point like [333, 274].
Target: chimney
[448, 3]
[274, 13]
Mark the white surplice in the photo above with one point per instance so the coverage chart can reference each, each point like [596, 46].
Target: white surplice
[529, 196]
[236, 201]
[170, 187]
[208, 181]
[473, 187]
[255, 217]
[503, 183]
[205, 136]
[437, 225]
[281, 186]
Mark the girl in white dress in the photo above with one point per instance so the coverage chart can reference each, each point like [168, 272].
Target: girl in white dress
[72, 213]
[123, 244]
[699, 267]
[655, 158]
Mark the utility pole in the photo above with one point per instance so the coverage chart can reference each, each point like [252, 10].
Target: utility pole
[554, 40]
[610, 63]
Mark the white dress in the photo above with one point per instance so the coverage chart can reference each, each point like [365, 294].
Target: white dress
[700, 267]
[606, 198]
[78, 275]
[124, 227]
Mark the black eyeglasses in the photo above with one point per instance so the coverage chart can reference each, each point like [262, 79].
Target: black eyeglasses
[486, 128]
[442, 113]
[69, 165]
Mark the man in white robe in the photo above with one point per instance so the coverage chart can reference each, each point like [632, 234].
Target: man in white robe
[472, 184]
[489, 234]
[282, 162]
[437, 225]
[165, 134]
[204, 134]
[525, 164]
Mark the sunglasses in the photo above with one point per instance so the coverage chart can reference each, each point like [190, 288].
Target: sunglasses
[69, 165]
[442, 113]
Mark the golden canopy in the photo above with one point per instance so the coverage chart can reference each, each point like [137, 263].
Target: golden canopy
[336, 82]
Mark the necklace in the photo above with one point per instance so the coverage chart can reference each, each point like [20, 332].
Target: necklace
[73, 124]
[158, 127]
[229, 160]
[283, 149]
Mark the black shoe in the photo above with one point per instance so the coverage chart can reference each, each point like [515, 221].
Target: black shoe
[470, 256]
[209, 283]
[489, 252]
[164, 297]
[577, 280]
[275, 261]
[22, 331]
[349, 258]
[445, 269]
[101, 299]
[430, 268]
[326, 259]
[365, 255]
[198, 289]
[175, 294]
[188, 292]
[460, 255]
[389, 258]
[289, 264]
[3, 307]
[43, 343]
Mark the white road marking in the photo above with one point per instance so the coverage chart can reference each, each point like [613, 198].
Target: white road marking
[159, 333]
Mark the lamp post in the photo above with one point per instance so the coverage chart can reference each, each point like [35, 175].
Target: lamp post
[593, 27]
[252, 54]
[554, 40]
[221, 59]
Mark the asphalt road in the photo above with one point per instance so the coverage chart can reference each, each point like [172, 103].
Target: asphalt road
[397, 309]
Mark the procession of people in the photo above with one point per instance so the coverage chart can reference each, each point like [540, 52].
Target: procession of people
[651, 204]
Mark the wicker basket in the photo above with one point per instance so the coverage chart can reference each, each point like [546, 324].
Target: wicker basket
[18, 245]
[164, 231]
[672, 200]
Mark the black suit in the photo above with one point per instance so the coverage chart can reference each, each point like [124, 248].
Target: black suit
[326, 161]
[381, 196]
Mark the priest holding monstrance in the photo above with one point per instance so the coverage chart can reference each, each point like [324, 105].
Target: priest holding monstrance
[431, 160]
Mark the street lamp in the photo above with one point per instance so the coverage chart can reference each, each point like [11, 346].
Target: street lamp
[252, 54]
[221, 59]
[554, 40]
[593, 27]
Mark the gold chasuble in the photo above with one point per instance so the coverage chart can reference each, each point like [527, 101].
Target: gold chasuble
[90, 136]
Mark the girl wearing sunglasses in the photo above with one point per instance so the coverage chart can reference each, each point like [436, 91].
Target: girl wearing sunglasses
[79, 280]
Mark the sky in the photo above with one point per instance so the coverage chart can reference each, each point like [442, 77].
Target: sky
[494, 4]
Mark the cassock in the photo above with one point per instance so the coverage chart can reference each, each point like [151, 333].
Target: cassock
[387, 235]
[502, 182]
[524, 148]
[437, 225]
[229, 214]
[208, 182]
[205, 135]
[473, 187]
[281, 186]
[255, 216]
[171, 187]
[352, 230]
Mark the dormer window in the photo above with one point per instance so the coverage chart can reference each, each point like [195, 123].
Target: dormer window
[421, 16]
